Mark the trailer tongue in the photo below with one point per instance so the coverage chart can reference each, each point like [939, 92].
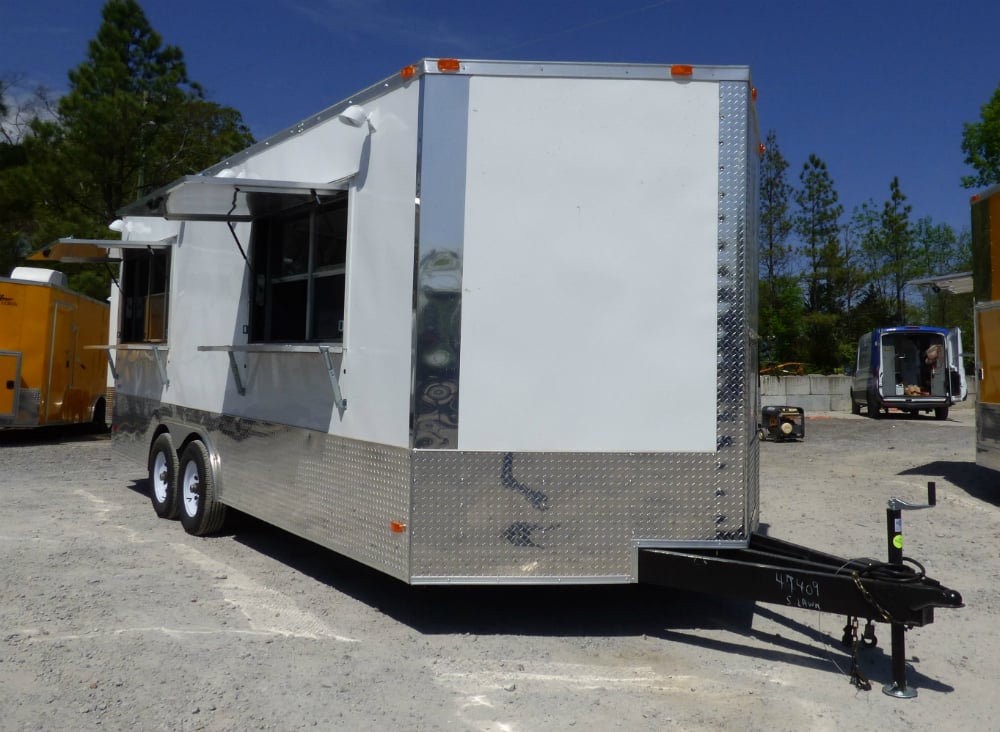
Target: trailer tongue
[770, 570]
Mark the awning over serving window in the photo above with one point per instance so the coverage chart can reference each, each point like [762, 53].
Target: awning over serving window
[957, 284]
[206, 198]
[72, 250]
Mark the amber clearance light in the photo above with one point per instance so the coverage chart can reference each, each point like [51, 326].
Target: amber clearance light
[449, 64]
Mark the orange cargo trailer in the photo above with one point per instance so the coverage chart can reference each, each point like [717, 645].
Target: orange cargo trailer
[48, 376]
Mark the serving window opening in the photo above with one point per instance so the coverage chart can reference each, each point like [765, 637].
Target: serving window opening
[145, 287]
[299, 268]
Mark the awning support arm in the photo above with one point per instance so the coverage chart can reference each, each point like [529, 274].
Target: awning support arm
[236, 374]
[338, 398]
[161, 365]
[232, 231]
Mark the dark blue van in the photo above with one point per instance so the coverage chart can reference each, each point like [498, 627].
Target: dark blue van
[912, 368]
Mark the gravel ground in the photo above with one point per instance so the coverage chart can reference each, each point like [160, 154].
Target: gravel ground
[112, 619]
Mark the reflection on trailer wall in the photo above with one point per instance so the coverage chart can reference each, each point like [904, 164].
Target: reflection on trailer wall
[145, 284]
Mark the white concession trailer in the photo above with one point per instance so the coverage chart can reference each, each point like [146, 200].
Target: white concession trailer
[483, 322]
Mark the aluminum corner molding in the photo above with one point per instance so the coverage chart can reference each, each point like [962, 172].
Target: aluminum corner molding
[444, 127]
[737, 450]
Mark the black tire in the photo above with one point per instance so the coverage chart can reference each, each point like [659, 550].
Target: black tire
[100, 420]
[200, 511]
[941, 413]
[163, 470]
[874, 410]
[855, 405]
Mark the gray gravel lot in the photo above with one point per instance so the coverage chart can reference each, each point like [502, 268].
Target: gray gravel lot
[113, 619]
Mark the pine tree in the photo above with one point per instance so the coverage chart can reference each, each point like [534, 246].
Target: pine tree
[132, 120]
[818, 227]
[780, 296]
[900, 260]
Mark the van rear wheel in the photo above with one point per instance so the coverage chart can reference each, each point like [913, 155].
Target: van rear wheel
[874, 410]
[200, 511]
[941, 413]
[855, 405]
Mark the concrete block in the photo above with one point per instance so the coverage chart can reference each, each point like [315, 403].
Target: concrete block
[829, 384]
[796, 385]
[808, 402]
[772, 386]
[840, 403]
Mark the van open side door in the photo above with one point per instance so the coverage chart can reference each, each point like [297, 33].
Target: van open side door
[956, 365]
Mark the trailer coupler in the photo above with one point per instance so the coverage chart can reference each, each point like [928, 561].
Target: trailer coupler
[770, 570]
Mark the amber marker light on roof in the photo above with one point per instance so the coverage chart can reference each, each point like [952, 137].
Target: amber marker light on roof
[762, 148]
[408, 72]
[681, 70]
[975, 197]
[448, 64]
[753, 93]
[397, 527]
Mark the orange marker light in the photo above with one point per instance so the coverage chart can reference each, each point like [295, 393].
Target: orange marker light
[448, 64]
[408, 72]
[397, 527]
[975, 198]
[753, 93]
[763, 148]
[681, 70]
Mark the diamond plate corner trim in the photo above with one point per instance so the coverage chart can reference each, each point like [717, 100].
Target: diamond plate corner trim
[737, 485]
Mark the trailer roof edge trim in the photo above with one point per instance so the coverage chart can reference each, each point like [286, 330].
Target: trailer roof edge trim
[475, 67]
[588, 70]
[209, 198]
[79, 251]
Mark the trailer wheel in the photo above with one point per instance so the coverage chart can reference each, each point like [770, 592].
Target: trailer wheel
[163, 477]
[941, 413]
[200, 511]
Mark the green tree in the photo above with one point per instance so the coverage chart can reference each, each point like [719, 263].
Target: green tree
[941, 250]
[818, 227]
[132, 120]
[981, 145]
[899, 252]
[780, 295]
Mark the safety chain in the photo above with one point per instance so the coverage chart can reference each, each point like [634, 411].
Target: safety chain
[869, 599]
[850, 639]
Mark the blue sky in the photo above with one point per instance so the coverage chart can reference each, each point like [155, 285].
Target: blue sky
[876, 88]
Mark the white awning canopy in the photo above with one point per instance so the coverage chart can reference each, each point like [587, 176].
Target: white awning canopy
[207, 198]
[92, 251]
[958, 283]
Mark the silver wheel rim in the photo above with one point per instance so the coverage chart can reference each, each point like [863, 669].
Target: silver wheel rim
[160, 476]
[189, 489]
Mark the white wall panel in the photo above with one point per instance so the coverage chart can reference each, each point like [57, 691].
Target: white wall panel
[589, 311]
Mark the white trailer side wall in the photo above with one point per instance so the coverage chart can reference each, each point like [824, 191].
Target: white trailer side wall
[589, 317]
[209, 289]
